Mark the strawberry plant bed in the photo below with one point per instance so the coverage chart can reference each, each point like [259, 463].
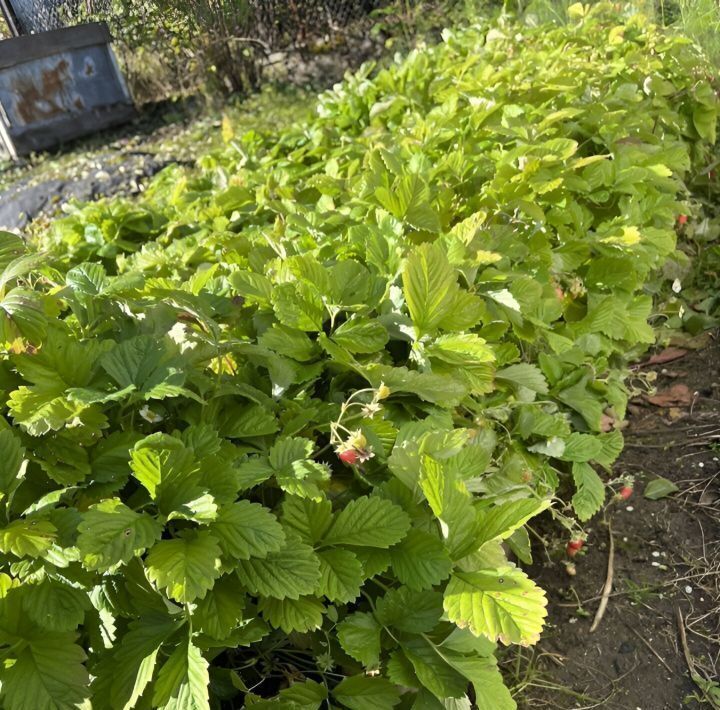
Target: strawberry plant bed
[667, 556]
[273, 433]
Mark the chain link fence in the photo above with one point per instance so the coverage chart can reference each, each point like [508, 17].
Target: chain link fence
[271, 20]
[171, 47]
[33, 16]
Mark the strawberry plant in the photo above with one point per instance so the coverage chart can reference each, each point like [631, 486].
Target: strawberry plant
[272, 434]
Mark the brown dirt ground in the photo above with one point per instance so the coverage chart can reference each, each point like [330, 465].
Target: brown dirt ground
[667, 557]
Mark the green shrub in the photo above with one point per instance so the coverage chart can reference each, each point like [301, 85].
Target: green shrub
[272, 432]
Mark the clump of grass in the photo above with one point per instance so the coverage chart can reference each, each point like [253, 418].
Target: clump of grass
[697, 19]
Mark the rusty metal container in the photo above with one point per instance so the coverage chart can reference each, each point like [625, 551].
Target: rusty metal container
[59, 85]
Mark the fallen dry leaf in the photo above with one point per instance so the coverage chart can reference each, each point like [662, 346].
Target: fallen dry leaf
[677, 396]
[607, 423]
[667, 355]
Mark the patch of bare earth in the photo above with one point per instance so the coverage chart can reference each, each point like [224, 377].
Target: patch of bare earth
[663, 612]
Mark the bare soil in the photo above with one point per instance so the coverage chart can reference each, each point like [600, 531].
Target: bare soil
[666, 562]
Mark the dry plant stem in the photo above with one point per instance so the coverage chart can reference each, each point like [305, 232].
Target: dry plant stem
[608, 581]
[694, 675]
[650, 648]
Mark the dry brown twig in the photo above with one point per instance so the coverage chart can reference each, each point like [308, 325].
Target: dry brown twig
[650, 648]
[607, 589]
[694, 675]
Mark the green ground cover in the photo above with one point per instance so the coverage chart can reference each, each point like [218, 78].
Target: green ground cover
[328, 375]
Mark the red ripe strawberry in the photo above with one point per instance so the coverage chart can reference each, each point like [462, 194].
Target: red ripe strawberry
[574, 546]
[626, 492]
[349, 456]
[682, 219]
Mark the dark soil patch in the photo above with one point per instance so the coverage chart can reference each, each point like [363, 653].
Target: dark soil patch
[667, 557]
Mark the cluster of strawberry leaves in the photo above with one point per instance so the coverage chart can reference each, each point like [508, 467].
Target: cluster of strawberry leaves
[472, 233]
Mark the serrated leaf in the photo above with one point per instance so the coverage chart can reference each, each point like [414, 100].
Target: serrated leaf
[143, 363]
[12, 453]
[502, 604]
[368, 522]
[308, 518]
[248, 421]
[302, 614]
[491, 693]
[299, 305]
[433, 671]
[612, 446]
[246, 530]
[22, 316]
[582, 447]
[48, 674]
[578, 397]
[341, 575]
[361, 335]
[221, 609]
[461, 349]
[519, 544]
[451, 503]
[30, 537]
[182, 682]
[304, 479]
[111, 533]
[286, 451]
[55, 606]
[171, 475]
[39, 411]
[524, 375]
[307, 695]
[443, 390]
[374, 560]
[427, 608]
[420, 560]
[429, 283]
[360, 692]
[500, 521]
[252, 473]
[255, 287]
[401, 672]
[185, 567]
[590, 491]
[410, 200]
[505, 298]
[287, 574]
[134, 661]
[87, 279]
[359, 636]
[289, 342]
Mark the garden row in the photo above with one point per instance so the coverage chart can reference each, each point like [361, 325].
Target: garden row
[273, 432]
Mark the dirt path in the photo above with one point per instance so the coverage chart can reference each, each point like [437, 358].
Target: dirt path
[667, 559]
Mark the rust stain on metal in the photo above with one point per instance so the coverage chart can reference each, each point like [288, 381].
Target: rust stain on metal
[44, 94]
[57, 86]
